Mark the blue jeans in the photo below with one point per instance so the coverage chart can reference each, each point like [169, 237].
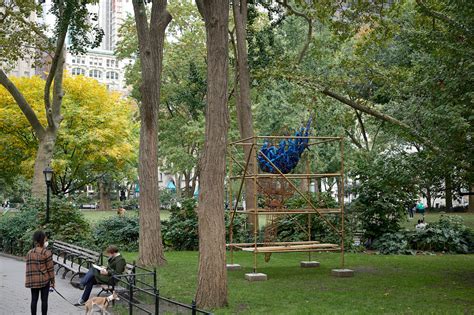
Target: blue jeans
[88, 282]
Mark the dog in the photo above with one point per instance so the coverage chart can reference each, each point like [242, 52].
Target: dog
[101, 302]
[121, 212]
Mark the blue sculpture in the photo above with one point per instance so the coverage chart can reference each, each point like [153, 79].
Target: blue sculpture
[287, 155]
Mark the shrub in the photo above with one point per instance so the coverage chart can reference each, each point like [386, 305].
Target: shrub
[392, 243]
[384, 188]
[180, 232]
[66, 224]
[289, 228]
[449, 234]
[120, 231]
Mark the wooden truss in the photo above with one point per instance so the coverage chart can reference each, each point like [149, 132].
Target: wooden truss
[288, 180]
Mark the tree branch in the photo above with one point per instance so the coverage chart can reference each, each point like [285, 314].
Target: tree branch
[23, 104]
[292, 10]
[58, 53]
[379, 115]
[353, 139]
[362, 127]
[444, 18]
[300, 79]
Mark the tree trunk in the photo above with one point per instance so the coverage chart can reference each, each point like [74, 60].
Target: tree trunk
[187, 182]
[46, 135]
[212, 276]
[104, 195]
[428, 197]
[43, 158]
[448, 185]
[151, 41]
[242, 92]
[178, 185]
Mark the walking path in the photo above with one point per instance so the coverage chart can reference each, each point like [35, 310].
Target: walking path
[15, 298]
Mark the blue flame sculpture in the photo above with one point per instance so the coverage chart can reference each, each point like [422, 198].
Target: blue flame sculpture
[287, 155]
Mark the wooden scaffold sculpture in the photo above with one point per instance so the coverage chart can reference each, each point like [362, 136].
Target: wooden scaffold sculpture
[275, 179]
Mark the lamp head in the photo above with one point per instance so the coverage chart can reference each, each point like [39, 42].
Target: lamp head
[48, 174]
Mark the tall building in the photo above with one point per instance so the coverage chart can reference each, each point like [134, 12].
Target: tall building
[100, 63]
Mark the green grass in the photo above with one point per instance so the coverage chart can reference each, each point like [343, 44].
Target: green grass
[433, 217]
[382, 284]
[94, 216]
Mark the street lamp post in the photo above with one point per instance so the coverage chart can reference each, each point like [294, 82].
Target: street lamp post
[48, 175]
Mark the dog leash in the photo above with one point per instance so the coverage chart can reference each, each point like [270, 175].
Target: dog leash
[62, 296]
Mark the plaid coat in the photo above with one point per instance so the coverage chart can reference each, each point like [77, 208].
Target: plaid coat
[39, 268]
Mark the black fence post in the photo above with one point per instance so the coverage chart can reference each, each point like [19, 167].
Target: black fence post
[157, 293]
[193, 305]
[134, 271]
[130, 297]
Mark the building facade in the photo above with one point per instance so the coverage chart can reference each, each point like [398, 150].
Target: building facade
[101, 63]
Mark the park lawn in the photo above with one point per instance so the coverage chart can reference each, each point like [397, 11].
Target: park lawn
[393, 284]
[433, 217]
[94, 216]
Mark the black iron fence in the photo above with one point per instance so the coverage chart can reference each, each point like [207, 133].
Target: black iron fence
[140, 293]
[139, 289]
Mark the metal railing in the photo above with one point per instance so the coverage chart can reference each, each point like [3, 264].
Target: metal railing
[133, 287]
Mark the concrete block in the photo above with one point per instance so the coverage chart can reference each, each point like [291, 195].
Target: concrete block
[255, 277]
[309, 264]
[233, 267]
[342, 273]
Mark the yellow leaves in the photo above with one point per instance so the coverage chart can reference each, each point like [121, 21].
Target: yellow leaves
[98, 126]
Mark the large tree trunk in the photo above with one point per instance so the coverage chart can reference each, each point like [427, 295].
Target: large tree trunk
[212, 276]
[242, 92]
[104, 195]
[151, 42]
[43, 159]
[46, 135]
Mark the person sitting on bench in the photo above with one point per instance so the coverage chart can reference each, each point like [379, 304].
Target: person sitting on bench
[115, 266]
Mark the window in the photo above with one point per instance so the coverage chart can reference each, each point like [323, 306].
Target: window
[78, 71]
[95, 74]
[112, 75]
[108, 62]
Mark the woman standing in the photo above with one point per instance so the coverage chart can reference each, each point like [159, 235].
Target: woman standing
[39, 272]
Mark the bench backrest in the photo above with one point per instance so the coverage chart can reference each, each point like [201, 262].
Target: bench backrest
[75, 250]
[79, 248]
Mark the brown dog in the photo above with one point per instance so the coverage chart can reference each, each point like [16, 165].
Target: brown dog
[101, 302]
[121, 212]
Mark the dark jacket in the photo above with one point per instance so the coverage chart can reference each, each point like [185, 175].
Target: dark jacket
[115, 266]
[39, 268]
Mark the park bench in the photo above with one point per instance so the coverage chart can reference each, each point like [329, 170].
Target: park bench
[73, 258]
[78, 261]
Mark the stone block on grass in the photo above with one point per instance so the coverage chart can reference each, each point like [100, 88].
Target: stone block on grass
[309, 264]
[342, 273]
[256, 276]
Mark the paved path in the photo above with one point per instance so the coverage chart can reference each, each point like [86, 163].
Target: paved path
[15, 298]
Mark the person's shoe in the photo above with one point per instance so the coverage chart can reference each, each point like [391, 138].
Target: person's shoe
[80, 302]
